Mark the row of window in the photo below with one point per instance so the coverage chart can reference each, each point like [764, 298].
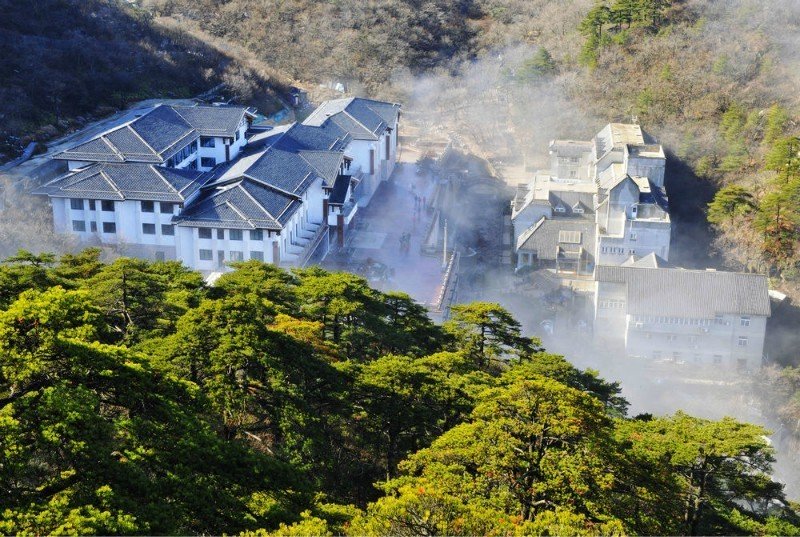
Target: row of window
[182, 155]
[717, 358]
[164, 207]
[166, 229]
[233, 255]
[233, 234]
[611, 304]
[744, 320]
[111, 227]
[615, 250]
[80, 225]
[78, 205]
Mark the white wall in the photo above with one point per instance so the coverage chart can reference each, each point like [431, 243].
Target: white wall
[652, 168]
[128, 218]
[639, 238]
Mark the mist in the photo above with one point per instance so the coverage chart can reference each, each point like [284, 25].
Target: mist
[487, 111]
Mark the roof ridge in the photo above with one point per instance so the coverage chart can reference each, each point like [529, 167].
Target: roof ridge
[348, 114]
[523, 238]
[257, 203]
[237, 211]
[112, 147]
[271, 186]
[150, 147]
[163, 178]
[111, 182]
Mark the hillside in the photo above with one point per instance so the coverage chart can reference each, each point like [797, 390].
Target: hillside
[136, 400]
[66, 62]
[715, 82]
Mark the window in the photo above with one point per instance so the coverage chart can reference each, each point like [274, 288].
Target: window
[148, 206]
[76, 205]
[743, 341]
[560, 209]
[221, 234]
[149, 229]
[236, 234]
[573, 174]
[238, 135]
[93, 226]
[208, 162]
[167, 229]
[167, 208]
[91, 205]
[192, 165]
[633, 236]
[181, 155]
[672, 338]
[78, 225]
[744, 321]
[109, 227]
[204, 233]
[717, 358]
[574, 160]
[206, 255]
[107, 206]
[207, 142]
[237, 255]
[255, 254]
[256, 235]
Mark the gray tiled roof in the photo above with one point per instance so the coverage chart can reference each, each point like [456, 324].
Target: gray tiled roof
[97, 150]
[158, 134]
[212, 120]
[361, 118]
[679, 292]
[571, 200]
[547, 237]
[125, 181]
[244, 204]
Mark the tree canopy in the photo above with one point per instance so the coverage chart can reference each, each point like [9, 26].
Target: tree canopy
[136, 400]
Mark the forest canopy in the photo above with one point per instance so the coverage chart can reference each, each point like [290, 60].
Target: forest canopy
[134, 399]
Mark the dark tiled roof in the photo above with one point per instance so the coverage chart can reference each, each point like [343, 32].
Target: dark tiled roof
[361, 118]
[125, 181]
[213, 120]
[158, 134]
[162, 128]
[679, 292]
[244, 204]
[97, 150]
[130, 144]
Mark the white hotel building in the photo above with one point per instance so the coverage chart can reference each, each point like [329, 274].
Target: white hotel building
[201, 185]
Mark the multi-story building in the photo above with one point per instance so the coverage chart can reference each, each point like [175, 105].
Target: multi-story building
[613, 184]
[201, 185]
[703, 317]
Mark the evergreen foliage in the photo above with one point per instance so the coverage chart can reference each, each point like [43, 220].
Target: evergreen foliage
[135, 400]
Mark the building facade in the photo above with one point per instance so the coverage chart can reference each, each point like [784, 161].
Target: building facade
[615, 183]
[203, 185]
[702, 317]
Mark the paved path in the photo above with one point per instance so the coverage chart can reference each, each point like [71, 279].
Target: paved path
[390, 214]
